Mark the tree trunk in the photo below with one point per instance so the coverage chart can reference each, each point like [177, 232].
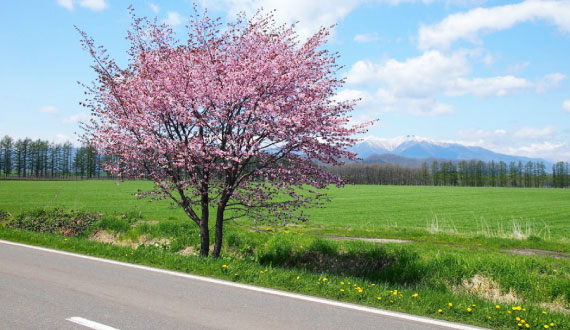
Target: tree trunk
[204, 230]
[204, 238]
[219, 229]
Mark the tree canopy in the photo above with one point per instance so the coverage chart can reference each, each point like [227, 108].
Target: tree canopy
[237, 117]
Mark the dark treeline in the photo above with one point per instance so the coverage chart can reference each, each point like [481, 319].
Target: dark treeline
[461, 173]
[26, 158]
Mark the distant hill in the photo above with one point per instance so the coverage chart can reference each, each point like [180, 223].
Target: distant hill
[412, 151]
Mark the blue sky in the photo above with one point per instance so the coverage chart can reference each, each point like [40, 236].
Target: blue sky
[488, 73]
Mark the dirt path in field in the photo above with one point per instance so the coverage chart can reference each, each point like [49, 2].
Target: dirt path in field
[369, 239]
[539, 253]
[524, 252]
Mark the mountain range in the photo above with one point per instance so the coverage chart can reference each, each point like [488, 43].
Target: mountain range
[412, 150]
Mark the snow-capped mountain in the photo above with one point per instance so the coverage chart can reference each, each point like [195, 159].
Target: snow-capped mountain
[420, 148]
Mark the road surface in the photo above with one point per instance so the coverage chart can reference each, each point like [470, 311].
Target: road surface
[46, 289]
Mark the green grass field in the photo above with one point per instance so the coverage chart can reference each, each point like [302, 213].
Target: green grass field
[399, 211]
[458, 256]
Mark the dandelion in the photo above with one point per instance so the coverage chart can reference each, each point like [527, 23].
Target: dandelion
[519, 325]
[325, 279]
[498, 306]
[286, 231]
[341, 290]
[348, 283]
[379, 298]
[450, 304]
[551, 324]
[440, 310]
[65, 239]
[391, 301]
[298, 278]
[469, 310]
[224, 266]
[415, 295]
[373, 284]
[518, 318]
[489, 317]
[546, 326]
[544, 312]
[341, 283]
[395, 292]
[509, 312]
[359, 290]
[473, 305]
[527, 326]
[261, 272]
[523, 321]
[236, 275]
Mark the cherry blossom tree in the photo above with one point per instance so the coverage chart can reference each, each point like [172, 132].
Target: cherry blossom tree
[236, 118]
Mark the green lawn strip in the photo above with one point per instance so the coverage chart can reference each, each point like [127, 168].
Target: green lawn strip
[425, 274]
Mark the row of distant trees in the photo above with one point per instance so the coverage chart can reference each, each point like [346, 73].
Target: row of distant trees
[27, 158]
[472, 173]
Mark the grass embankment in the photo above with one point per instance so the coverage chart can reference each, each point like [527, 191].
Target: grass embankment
[420, 278]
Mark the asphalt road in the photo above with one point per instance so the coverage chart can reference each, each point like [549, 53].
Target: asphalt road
[42, 289]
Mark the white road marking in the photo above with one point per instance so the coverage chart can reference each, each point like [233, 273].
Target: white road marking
[323, 301]
[89, 323]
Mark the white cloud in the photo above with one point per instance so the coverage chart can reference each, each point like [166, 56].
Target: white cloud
[154, 8]
[548, 82]
[485, 87]
[95, 5]
[49, 109]
[566, 106]
[536, 142]
[76, 118]
[479, 134]
[554, 151]
[534, 133]
[173, 18]
[311, 15]
[67, 4]
[415, 77]
[366, 37]
[471, 24]
[517, 68]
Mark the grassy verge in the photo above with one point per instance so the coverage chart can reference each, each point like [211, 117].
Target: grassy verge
[445, 282]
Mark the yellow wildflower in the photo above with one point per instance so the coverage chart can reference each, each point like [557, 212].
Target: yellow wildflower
[341, 283]
[440, 310]
[551, 324]
[498, 306]
[489, 317]
[298, 278]
[527, 325]
[379, 298]
[546, 326]
[341, 290]
[518, 318]
[469, 310]
[415, 295]
[224, 266]
[450, 304]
